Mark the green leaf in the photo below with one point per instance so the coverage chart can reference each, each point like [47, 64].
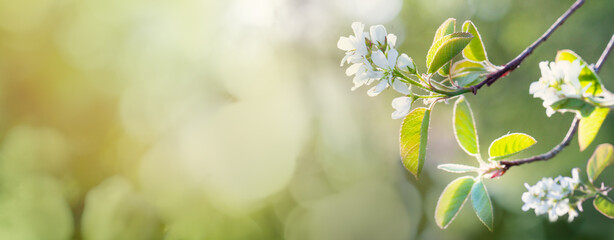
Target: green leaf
[475, 50]
[601, 158]
[457, 168]
[447, 27]
[481, 204]
[444, 71]
[509, 145]
[464, 127]
[446, 48]
[573, 104]
[468, 78]
[587, 75]
[589, 127]
[442, 86]
[466, 66]
[413, 139]
[604, 206]
[451, 200]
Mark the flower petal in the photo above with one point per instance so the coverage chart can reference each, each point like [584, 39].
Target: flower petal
[379, 59]
[374, 91]
[405, 63]
[345, 44]
[392, 58]
[392, 40]
[351, 70]
[402, 105]
[358, 28]
[378, 34]
[400, 87]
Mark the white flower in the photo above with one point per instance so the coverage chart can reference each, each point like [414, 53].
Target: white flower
[373, 59]
[355, 46]
[402, 106]
[553, 196]
[363, 73]
[559, 80]
[378, 34]
[387, 65]
[572, 214]
[405, 63]
[401, 87]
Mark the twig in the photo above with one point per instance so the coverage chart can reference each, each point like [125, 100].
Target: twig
[550, 154]
[514, 63]
[572, 129]
[604, 55]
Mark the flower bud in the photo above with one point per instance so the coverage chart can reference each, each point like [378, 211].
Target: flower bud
[406, 64]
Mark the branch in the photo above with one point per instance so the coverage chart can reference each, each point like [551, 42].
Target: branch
[550, 154]
[514, 63]
[572, 129]
[604, 55]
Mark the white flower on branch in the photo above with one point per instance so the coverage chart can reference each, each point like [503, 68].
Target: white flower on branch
[559, 80]
[355, 46]
[374, 59]
[406, 64]
[553, 196]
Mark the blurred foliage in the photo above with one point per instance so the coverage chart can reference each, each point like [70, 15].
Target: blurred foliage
[232, 120]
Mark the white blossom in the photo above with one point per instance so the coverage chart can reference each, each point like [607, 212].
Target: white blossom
[559, 80]
[378, 34]
[553, 196]
[355, 46]
[386, 64]
[402, 106]
[375, 60]
[406, 64]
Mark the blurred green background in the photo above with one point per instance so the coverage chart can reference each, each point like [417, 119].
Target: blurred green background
[205, 119]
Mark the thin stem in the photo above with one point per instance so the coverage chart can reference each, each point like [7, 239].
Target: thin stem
[550, 154]
[572, 129]
[410, 81]
[604, 55]
[514, 63]
[429, 96]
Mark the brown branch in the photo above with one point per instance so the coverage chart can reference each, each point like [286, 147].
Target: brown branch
[572, 129]
[604, 55]
[550, 154]
[514, 63]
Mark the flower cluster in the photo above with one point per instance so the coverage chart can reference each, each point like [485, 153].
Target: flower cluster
[375, 60]
[559, 80]
[554, 196]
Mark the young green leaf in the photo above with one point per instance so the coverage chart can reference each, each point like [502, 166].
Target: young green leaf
[451, 200]
[475, 51]
[509, 145]
[604, 206]
[468, 78]
[466, 66]
[413, 139]
[587, 75]
[464, 127]
[446, 48]
[573, 104]
[444, 71]
[447, 27]
[589, 127]
[481, 204]
[457, 168]
[601, 158]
